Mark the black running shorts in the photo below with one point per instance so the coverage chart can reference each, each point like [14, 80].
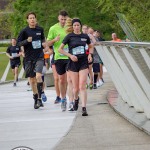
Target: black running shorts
[61, 66]
[81, 64]
[14, 64]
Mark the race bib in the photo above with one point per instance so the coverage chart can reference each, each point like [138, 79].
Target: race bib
[14, 54]
[78, 50]
[36, 44]
[86, 47]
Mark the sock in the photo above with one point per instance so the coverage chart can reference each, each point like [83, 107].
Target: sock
[35, 96]
[42, 92]
[39, 87]
[83, 108]
[95, 77]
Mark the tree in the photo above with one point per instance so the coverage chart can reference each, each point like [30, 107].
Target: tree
[100, 14]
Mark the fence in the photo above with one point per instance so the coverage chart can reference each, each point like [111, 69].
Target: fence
[128, 64]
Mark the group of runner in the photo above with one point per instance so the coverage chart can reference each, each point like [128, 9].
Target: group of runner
[73, 53]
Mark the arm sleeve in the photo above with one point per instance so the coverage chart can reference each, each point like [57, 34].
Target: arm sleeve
[8, 50]
[21, 41]
[66, 40]
[88, 40]
[51, 35]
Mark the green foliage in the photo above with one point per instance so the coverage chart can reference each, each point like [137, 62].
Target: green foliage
[4, 45]
[100, 14]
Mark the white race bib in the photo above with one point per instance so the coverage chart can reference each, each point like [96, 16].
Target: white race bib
[14, 54]
[36, 44]
[78, 50]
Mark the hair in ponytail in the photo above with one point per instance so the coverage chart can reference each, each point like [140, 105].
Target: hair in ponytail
[69, 27]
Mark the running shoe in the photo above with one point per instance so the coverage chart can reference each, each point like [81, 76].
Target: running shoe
[86, 86]
[95, 86]
[14, 84]
[43, 96]
[76, 104]
[63, 104]
[39, 103]
[58, 100]
[36, 106]
[91, 86]
[71, 107]
[84, 112]
[101, 82]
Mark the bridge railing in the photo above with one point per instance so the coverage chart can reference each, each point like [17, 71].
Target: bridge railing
[128, 64]
[49, 80]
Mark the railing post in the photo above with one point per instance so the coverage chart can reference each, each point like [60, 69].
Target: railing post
[125, 61]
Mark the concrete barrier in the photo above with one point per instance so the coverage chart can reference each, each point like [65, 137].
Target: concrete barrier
[49, 79]
[129, 66]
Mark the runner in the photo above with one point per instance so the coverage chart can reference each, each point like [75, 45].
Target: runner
[32, 38]
[14, 53]
[78, 61]
[55, 36]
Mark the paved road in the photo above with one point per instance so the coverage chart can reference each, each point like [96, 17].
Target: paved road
[103, 129]
[49, 128]
[21, 125]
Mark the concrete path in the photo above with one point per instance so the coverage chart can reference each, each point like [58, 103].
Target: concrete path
[48, 128]
[21, 125]
[103, 129]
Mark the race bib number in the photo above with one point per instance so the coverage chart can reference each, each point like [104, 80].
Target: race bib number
[78, 50]
[36, 44]
[14, 54]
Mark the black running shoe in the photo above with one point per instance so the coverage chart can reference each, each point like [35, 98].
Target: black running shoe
[76, 104]
[35, 97]
[58, 100]
[94, 86]
[39, 102]
[14, 84]
[84, 112]
[36, 106]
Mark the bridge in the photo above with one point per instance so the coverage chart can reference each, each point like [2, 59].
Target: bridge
[118, 110]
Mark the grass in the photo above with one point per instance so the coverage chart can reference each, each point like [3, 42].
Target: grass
[3, 63]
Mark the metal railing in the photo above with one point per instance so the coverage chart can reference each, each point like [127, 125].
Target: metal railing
[128, 64]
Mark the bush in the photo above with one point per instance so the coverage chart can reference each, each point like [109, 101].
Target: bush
[4, 44]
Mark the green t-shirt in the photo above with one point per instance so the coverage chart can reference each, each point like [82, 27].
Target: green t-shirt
[54, 31]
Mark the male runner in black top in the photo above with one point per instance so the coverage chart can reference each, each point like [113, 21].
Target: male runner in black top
[14, 52]
[32, 38]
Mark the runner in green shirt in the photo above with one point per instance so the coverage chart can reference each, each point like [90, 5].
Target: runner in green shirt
[55, 37]
[57, 34]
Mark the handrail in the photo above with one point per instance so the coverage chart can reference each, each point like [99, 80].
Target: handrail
[123, 43]
[128, 64]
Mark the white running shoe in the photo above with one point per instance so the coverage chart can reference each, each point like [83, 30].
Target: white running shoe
[98, 84]
[101, 82]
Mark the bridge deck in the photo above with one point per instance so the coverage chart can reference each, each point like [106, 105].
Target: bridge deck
[46, 128]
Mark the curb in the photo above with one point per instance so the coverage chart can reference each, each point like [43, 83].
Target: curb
[122, 108]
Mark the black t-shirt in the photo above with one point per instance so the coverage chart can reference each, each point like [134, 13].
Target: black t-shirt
[77, 43]
[33, 50]
[13, 51]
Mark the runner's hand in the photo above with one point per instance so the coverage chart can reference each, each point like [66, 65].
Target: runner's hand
[57, 38]
[73, 58]
[29, 39]
[90, 58]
